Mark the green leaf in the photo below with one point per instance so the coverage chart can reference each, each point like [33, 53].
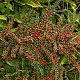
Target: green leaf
[9, 74]
[57, 2]
[2, 69]
[64, 60]
[45, 1]
[12, 30]
[23, 10]
[15, 62]
[75, 17]
[1, 25]
[33, 4]
[74, 55]
[2, 17]
[9, 6]
[73, 5]
[18, 20]
[10, 63]
[2, 6]
[41, 71]
[71, 69]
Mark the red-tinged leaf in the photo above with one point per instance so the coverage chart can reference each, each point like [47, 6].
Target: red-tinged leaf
[55, 57]
[79, 54]
[37, 52]
[48, 52]
[13, 55]
[33, 78]
[17, 78]
[16, 38]
[1, 35]
[49, 78]
[42, 78]
[78, 68]
[30, 58]
[7, 31]
[59, 78]
[68, 26]
[51, 57]
[9, 49]
[21, 51]
[10, 24]
[49, 29]
[42, 61]
[48, 36]
[7, 78]
[53, 62]
[70, 55]
[17, 47]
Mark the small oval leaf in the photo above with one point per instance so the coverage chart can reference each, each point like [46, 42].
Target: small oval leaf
[2, 17]
[10, 63]
[33, 4]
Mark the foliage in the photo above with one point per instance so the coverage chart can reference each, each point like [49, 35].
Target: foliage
[44, 45]
[16, 9]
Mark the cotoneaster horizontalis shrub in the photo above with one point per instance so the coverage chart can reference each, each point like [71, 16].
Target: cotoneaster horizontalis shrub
[43, 45]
